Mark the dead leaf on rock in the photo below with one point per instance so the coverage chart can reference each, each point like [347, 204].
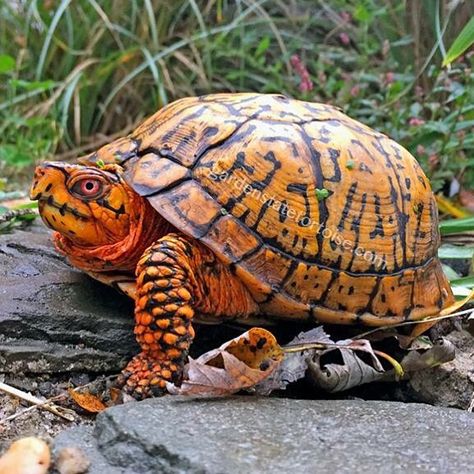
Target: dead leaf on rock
[26, 456]
[115, 396]
[87, 401]
[354, 371]
[238, 364]
[334, 377]
[294, 364]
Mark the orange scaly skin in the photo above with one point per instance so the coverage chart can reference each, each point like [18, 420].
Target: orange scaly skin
[176, 277]
[109, 233]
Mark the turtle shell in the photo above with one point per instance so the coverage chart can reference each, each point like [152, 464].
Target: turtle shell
[319, 215]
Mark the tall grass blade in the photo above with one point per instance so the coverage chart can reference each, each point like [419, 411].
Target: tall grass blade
[49, 36]
[455, 226]
[464, 40]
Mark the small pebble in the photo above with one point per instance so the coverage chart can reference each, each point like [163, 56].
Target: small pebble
[72, 460]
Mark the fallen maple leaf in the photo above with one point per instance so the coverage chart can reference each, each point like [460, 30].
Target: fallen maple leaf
[87, 401]
[238, 364]
[26, 456]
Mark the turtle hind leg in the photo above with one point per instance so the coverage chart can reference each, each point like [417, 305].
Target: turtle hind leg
[176, 276]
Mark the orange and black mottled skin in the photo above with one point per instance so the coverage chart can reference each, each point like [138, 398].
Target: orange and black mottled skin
[117, 237]
[177, 277]
[253, 205]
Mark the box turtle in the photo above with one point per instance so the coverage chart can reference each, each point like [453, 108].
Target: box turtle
[240, 206]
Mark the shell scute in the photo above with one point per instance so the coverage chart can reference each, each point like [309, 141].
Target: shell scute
[319, 215]
[188, 207]
[151, 173]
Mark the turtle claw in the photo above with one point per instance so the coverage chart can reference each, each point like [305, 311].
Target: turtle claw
[145, 377]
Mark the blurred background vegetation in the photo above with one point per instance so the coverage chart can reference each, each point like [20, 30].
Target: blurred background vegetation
[76, 74]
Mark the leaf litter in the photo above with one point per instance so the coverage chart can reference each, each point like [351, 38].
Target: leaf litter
[255, 362]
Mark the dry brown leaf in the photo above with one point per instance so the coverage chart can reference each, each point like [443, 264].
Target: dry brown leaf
[294, 364]
[87, 401]
[72, 460]
[338, 377]
[238, 364]
[115, 396]
[441, 351]
[354, 371]
[26, 456]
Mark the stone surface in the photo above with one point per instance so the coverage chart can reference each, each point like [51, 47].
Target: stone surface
[260, 435]
[54, 318]
[451, 384]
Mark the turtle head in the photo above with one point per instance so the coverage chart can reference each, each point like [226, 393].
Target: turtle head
[89, 205]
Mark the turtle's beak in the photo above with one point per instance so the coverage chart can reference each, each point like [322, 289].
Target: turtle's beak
[54, 202]
[85, 204]
[46, 176]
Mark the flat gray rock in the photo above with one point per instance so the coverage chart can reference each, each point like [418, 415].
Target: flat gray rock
[54, 318]
[270, 435]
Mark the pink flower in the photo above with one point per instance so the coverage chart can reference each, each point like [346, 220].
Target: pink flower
[345, 40]
[389, 78]
[355, 90]
[306, 84]
[416, 122]
[345, 16]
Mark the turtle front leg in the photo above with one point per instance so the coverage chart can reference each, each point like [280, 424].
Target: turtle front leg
[175, 277]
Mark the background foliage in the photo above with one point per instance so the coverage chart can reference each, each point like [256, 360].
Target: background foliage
[75, 74]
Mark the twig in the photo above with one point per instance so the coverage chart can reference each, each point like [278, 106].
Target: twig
[56, 410]
[9, 215]
[31, 408]
[409, 323]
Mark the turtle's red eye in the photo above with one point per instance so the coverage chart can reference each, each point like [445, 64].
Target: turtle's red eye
[88, 187]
